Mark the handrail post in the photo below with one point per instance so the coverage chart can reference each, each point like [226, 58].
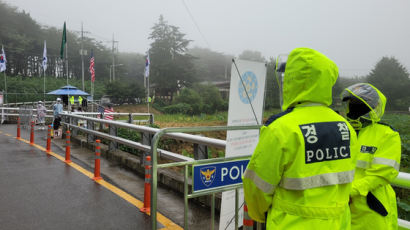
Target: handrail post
[130, 118]
[247, 220]
[151, 119]
[97, 175]
[113, 132]
[67, 148]
[18, 128]
[75, 131]
[32, 133]
[48, 147]
[146, 140]
[90, 137]
[186, 197]
[147, 186]
[200, 151]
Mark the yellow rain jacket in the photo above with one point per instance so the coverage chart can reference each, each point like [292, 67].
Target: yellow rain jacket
[300, 174]
[377, 165]
[80, 101]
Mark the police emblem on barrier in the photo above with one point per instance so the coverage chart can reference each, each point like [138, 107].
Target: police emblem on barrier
[251, 85]
[208, 175]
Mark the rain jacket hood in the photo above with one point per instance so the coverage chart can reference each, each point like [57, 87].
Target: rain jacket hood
[309, 77]
[370, 96]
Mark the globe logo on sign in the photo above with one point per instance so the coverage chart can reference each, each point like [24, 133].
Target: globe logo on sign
[251, 85]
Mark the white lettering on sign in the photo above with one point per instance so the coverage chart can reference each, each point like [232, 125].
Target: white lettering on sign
[344, 131]
[319, 154]
[224, 172]
[341, 152]
[233, 173]
[310, 133]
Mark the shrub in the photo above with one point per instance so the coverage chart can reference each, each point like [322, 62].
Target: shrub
[179, 108]
[211, 98]
[191, 98]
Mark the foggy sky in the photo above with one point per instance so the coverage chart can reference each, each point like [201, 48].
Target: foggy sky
[353, 33]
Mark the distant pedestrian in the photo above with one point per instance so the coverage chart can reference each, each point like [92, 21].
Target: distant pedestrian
[41, 114]
[72, 100]
[57, 110]
[84, 104]
[80, 101]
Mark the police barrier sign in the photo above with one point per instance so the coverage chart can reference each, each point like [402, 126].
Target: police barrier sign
[218, 175]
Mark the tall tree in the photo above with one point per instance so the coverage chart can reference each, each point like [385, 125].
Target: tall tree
[392, 79]
[171, 67]
[272, 89]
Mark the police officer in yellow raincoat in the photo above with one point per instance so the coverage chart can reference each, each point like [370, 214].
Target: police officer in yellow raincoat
[373, 200]
[300, 174]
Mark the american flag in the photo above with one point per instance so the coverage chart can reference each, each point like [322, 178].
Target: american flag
[92, 70]
[108, 113]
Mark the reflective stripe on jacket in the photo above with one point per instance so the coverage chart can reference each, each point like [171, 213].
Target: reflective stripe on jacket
[378, 164]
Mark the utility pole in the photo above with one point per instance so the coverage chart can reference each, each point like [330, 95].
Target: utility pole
[82, 53]
[113, 57]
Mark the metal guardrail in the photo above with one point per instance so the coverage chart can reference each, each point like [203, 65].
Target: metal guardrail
[402, 180]
[177, 136]
[155, 167]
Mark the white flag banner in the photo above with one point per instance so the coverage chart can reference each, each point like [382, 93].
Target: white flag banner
[147, 63]
[44, 63]
[242, 142]
[3, 60]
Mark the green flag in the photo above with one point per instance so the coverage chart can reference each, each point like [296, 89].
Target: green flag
[63, 42]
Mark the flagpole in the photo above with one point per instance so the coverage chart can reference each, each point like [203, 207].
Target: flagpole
[146, 78]
[92, 96]
[66, 66]
[148, 93]
[44, 86]
[5, 87]
[66, 60]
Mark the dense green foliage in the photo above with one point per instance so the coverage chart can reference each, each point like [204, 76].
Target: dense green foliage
[199, 99]
[23, 40]
[123, 92]
[171, 67]
[390, 77]
[20, 89]
[401, 122]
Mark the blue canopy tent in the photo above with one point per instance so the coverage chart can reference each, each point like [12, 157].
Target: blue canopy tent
[68, 90]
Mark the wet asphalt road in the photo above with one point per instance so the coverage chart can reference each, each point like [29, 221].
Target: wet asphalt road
[41, 192]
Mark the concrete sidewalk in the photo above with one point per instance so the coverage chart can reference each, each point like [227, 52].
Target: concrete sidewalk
[170, 204]
[39, 191]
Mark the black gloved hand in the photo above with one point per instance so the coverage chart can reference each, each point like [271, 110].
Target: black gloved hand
[376, 205]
